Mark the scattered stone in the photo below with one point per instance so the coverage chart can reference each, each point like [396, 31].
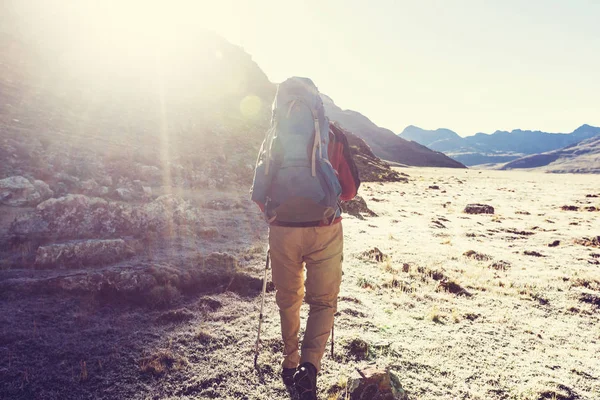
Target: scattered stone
[433, 274]
[517, 232]
[569, 208]
[500, 265]
[43, 190]
[124, 194]
[589, 242]
[453, 287]
[434, 187]
[357, 207]
[374, 254]
[533, 253]
[554, 244]
[591, 195]
[592, 208]
[80, 217]
[472, 316]
[523, 212]
[17, 191]
[479, 209]
[477, 256]
[80, 254]
[373, 383]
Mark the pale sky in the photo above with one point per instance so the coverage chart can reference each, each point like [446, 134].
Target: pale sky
[467, 65]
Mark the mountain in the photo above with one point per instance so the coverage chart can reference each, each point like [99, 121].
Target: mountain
[385, 143]
[197, 124]
[423, 136]
[582, 157]
[501, 146]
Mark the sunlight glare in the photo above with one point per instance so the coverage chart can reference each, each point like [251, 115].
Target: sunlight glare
[250, 106]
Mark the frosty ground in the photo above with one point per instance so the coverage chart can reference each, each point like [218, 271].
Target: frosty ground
[458, 305]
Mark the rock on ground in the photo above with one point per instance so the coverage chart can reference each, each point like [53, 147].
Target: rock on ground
[85, 253]
[17, 191]
[479, 209]
[81, 217]
[375, 384]
[357, 207]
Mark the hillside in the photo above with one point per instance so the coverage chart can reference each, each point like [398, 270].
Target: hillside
[424, 136]
[501, 146]
[385, 143]
[582, 157]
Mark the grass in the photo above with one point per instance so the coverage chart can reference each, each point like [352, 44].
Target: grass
[161, 362]
[366, 283]
[435, 315]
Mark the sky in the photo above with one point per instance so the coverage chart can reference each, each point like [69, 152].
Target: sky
[466, 65]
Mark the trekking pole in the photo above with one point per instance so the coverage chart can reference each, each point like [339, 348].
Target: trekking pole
[262, 304]
[332, 340]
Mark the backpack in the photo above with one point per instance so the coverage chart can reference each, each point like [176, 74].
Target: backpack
[293, 177]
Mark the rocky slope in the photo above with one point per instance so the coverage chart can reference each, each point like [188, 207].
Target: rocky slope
[582, 157]
[120, 159]
[385, 143]
[501, 146]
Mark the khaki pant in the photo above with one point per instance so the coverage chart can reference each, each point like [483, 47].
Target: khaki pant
[320, 248]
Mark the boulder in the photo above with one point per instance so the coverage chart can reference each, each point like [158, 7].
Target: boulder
[374, 383]
[357, 207]
[124, 194]
[43, 190]
[374, 254]
[479, 209]
[17, 191]
[82, 217]
[82, 253]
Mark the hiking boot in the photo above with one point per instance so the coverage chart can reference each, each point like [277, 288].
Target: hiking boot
[287, 375]
[305, 381]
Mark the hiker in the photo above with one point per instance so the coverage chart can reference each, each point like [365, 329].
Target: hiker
[303, 170]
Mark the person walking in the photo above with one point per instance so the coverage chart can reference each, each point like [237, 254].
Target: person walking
[304, 169]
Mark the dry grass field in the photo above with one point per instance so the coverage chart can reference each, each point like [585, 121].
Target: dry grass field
[461, 306]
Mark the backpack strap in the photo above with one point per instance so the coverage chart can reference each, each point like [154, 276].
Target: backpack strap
[316, 143]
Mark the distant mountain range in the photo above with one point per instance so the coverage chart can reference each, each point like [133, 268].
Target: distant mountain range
[385, 143]
[499, 147]
[582, 157]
